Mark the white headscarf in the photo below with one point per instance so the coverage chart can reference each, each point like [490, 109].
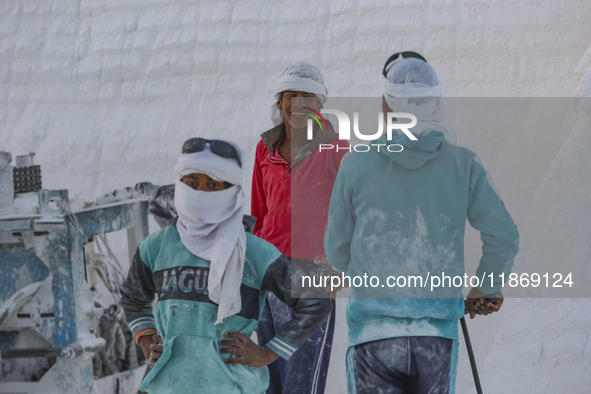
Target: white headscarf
[412, 86]
[210, 224]
[299, 77]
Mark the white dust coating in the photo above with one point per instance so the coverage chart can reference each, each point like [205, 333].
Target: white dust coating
[106, 92]
[423, 326]
[403, 251]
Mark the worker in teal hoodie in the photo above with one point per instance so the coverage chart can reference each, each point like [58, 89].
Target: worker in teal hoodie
[211, 277]
[399, 210]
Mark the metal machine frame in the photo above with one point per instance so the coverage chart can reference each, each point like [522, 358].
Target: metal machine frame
[60, 307]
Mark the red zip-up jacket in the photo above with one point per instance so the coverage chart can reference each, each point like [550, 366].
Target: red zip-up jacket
[291, 202]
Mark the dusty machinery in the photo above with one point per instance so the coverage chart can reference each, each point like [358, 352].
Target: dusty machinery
[61, 327]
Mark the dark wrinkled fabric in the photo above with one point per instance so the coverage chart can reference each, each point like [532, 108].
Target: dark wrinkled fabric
[138, 290]
[306, 371]
[302, 320]
[407, 365]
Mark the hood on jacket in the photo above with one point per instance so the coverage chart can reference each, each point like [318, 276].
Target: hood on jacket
[415, 153]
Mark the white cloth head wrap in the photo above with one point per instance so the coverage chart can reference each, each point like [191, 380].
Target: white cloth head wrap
[299, 77]
[210, 224]
[412, 86]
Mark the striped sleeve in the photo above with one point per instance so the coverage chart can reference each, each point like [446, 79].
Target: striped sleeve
[144, 332]
[142, 323]
[282, 347]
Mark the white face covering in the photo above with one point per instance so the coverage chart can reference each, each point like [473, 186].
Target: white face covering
[210, 225]
[412, 86]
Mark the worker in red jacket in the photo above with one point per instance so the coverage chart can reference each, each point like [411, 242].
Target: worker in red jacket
[291, 189]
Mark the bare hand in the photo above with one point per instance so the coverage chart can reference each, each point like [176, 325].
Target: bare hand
[477, 305]
[330, 271]
[156, 349]
[152, 347]
[250, 353]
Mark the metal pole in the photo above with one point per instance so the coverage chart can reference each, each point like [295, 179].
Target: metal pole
[34, 352]
[471, 355]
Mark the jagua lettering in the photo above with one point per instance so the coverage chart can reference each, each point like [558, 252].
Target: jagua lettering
[185, 280]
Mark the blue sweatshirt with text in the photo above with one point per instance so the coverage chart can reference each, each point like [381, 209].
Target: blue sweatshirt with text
[163, 268]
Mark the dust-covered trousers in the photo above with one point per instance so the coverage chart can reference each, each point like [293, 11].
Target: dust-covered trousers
[305, 372]
[405, 365]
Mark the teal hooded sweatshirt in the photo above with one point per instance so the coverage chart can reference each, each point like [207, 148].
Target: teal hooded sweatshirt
[185, 316]
[402, 215]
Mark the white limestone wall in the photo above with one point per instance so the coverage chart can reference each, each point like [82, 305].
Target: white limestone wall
[105, 92]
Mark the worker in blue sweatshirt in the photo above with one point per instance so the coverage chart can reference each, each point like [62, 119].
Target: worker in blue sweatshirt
[211, 277]
[402, 212]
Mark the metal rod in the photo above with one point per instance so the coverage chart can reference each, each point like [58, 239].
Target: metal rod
[32, 353]
[471, 355]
